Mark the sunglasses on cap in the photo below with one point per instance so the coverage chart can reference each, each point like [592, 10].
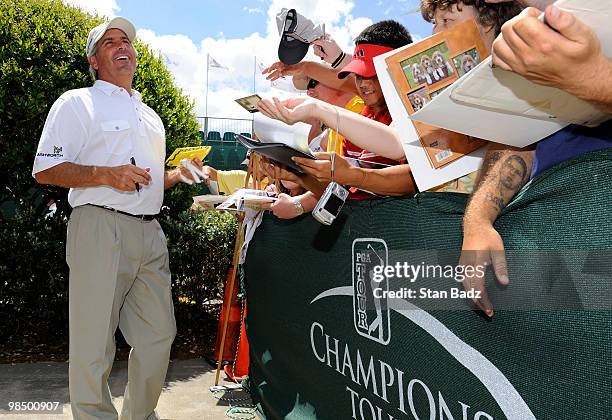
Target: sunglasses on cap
[312, 83]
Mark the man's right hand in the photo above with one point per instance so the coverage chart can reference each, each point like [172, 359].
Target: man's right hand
[483, 247]
[125, 177]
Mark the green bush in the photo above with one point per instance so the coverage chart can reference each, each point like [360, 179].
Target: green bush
[34, 276]
[42, 54]
[200, 254]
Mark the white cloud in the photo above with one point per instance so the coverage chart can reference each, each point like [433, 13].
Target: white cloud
[253, 10]
[100, 7]
[186, 58]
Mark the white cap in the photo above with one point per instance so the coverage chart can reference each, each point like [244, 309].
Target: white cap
[116, 23]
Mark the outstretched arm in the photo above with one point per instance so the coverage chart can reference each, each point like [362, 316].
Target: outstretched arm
[504, 172]
[364, 132]
[393, 181]
[321, 72]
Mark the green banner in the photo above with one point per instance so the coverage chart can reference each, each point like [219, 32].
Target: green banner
[323, 346]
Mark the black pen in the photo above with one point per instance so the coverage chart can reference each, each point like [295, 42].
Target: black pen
[134, 163]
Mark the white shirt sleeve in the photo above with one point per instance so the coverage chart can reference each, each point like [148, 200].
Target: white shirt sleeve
[62, 137]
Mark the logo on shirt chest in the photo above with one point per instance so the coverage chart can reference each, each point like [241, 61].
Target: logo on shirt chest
[57, 153]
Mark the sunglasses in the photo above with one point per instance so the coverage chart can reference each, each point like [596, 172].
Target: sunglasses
[312, 83]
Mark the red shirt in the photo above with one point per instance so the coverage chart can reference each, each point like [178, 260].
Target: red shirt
[356, 152]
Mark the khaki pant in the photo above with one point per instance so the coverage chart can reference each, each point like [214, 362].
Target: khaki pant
[119, 276]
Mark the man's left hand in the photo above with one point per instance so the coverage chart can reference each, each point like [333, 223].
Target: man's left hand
[563, 52]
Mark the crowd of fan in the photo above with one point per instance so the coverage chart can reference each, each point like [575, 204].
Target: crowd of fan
[344, 94]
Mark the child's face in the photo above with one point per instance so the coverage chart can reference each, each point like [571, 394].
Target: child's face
[370, 91]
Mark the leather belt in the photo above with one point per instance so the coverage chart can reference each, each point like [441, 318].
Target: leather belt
[145, 217]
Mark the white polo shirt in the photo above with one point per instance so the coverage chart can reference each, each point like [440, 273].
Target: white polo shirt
[104, 126]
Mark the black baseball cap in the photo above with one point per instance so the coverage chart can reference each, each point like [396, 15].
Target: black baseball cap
[292, 48]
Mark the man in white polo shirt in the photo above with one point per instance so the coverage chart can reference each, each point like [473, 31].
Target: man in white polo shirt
[109, 148]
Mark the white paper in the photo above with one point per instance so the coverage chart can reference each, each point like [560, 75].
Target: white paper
[245, 197]
[502, 106]
[269, 130]
[208, 201]
[425, 176]
[315, 144]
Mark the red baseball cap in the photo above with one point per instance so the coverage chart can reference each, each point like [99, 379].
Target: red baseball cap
[362, 63]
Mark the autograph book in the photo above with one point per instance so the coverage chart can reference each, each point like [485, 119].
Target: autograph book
[278, 152]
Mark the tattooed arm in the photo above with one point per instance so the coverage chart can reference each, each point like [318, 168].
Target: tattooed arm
[504, 172]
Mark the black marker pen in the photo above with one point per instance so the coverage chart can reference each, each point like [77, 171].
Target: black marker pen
[133, 161]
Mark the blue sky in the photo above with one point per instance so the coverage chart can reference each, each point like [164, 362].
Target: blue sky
[184, 32]
[237, 19]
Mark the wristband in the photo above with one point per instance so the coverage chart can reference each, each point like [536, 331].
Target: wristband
[339, 59]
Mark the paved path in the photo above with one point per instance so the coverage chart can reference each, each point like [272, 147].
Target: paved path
[186, 394]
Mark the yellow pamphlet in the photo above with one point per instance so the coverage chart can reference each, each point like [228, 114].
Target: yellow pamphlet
[199, 152]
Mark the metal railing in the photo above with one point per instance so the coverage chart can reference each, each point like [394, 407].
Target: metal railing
[224, 125]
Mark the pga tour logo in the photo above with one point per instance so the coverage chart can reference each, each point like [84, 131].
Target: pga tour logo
[370, 314]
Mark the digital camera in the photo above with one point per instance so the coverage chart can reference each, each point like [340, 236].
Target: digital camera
[330, 203]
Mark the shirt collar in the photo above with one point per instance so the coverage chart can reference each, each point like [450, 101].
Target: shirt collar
[110, 89]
